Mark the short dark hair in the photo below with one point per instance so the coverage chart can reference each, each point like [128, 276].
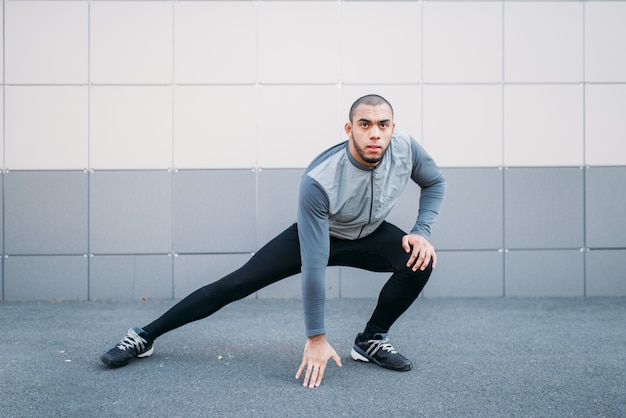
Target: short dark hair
[369, 100]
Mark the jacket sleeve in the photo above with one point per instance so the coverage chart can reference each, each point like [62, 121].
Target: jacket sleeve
[314, 250]
[433, 189]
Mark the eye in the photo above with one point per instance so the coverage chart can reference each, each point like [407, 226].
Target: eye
[364, 125]
[384, 125]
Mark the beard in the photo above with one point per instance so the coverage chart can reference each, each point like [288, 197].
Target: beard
[361, 153]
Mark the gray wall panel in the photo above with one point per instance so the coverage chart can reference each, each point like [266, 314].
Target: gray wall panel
[467, 274]
[544, 273]
[46, 212]
[131, 212]
[405, 212]
[130, 277]
[222, 216]
[544, 208]
[46, 277]
[357, 283]
[606, 207]
[194, 271]
[2, 213]
[472, 213]
[2, 176]
[606, 273]
[291, 287]
[278, 201]
[214, 211]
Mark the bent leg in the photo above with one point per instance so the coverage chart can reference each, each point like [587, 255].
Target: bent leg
[396, 296]
[278, 259]
[382, 251]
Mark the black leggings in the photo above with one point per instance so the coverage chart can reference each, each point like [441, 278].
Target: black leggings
[380, 251]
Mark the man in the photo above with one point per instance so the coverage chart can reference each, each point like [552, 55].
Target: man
[345, 195]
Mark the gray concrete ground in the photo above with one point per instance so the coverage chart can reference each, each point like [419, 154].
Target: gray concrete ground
[496, 357]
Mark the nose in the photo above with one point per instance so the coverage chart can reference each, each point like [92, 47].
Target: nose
[375, 132]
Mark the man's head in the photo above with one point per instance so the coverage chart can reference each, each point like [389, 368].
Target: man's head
[370, 129]
[370, 100]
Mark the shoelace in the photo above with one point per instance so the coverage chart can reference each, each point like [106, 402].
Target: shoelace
[132, 340]
[377, 345]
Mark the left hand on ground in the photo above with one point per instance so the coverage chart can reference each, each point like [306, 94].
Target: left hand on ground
[317, 352]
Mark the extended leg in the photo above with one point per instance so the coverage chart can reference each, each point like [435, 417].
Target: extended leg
[278, 259]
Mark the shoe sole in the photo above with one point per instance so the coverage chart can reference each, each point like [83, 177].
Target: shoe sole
[110, 363]
[147, 353]
[360, 357]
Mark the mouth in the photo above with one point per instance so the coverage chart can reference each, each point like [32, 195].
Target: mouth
[373, 148]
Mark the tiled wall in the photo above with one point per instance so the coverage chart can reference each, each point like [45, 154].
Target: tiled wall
[150, 147]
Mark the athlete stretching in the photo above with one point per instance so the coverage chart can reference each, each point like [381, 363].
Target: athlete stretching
[345, 195]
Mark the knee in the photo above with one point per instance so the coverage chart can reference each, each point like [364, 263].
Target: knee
[411, 283]
[409, 272]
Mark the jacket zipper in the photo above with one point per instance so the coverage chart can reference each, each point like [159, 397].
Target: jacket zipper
[369, 221]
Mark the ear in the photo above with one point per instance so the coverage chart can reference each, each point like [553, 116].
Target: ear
[348, 128]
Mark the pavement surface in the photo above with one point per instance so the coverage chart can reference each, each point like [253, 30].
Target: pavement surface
[494, 357]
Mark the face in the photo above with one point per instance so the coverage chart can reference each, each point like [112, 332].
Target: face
[369, 133]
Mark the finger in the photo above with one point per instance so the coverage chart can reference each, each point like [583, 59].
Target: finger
[426, 261]
[320, 376]
[299, 372]
[434, 259]
[307, 373]
[411, 260]
[413, 257]
[405, 243]
[314, 374]
[423, 260]
[417, 258]
[426, 258]
[337, 359]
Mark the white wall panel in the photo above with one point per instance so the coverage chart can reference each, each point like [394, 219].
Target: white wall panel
[389, 54]
[462, 41]
[215, 127]
[605, 114]
[131, 42]
[543, 125]
[131, 127]
[46, 127]
[2, 46]
[46, 42]
[209, 47]
[463, 125]
[605, 31]
[298, 42]
[543, 41]
[296, 123]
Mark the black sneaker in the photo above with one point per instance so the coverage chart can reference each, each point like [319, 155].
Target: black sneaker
[380, 352]
[135, 344]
